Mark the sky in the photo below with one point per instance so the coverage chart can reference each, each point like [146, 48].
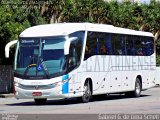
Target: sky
[145, 1]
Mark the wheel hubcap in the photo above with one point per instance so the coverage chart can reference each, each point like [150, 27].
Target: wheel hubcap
[138, 88]
[87, 92]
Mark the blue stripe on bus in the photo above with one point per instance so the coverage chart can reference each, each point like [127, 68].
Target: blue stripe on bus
[65, 86]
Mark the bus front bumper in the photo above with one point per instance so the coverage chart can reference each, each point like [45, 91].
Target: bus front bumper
[54, 93]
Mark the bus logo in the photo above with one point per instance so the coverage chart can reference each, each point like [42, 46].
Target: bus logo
[36, 87]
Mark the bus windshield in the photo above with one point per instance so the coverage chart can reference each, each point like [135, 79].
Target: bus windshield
[40, 56]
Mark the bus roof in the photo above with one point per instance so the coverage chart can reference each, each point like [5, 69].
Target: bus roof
[62, 29]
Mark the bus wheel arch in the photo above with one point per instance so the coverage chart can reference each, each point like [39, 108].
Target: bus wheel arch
[88, 90]
[137, 88]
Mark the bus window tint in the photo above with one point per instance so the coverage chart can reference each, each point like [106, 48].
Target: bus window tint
[79, 42]
[108, 44]
[75, 54]
[123, 44]
[129, 45]
[144, 46]
[98, 43]
[73, 59]
[149, 46]
[144, 43]
[91, 47]
[116, 44]
[138, 46]
[102, 44]
[75, 50]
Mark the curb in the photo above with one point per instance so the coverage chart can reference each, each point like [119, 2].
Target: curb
[10, 95]
[6, 95]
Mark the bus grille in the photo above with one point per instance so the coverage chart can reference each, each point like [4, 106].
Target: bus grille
[35, 87]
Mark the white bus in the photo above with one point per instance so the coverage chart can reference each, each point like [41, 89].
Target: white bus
[65, 60]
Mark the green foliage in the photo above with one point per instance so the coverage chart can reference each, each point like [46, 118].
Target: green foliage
[158, 52]
[158, 60]
[17, 15]
[14, 18]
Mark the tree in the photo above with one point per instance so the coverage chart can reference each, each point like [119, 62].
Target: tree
[14, 18]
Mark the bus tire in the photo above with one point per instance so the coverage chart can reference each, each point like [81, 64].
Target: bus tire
[87, 92]
[40, 101]
[137, 89]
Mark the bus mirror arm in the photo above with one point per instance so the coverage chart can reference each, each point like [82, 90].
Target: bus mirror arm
[67, 44]
[7, 47]
[66, 47]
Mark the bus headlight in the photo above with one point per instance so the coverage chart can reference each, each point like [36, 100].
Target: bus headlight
[64, 81]
[16, 84]
[56, 84]
[53, 85]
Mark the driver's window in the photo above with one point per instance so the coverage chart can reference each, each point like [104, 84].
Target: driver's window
[75, 54]
[75, 50]
[72, 56]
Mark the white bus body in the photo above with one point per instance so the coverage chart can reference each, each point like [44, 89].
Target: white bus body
[126, 63]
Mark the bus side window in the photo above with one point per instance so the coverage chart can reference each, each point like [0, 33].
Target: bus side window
[102, 44]
[149, 46]
[133, 45]
[103, 48]
[129, 45]
[138, 46]
[144, 45]
[123, 42]
[72, 57]
[108, 44]
[75, 54]
[116, 45]
[75, 51]
[151, 40]
[91, 48]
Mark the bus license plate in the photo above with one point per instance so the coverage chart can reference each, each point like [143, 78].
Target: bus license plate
[37, 94]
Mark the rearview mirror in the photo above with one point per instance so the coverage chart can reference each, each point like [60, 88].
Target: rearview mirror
[7, 47]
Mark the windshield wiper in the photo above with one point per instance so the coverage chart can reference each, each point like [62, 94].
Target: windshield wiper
[36, 65]
[45, 68]
[41, 60]
[29, 66]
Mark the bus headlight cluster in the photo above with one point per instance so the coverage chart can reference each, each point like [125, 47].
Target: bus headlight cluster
[64, 81]
[16, 84]
[65, 78]
[56, 84]
[59, 83]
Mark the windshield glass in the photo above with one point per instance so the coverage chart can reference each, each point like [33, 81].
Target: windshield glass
[40, 56]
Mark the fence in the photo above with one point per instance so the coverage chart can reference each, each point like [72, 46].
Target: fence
[6, 79]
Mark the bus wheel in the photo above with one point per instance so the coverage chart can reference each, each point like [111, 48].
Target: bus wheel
[87, 92]
[137, 89]
[40, 101]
